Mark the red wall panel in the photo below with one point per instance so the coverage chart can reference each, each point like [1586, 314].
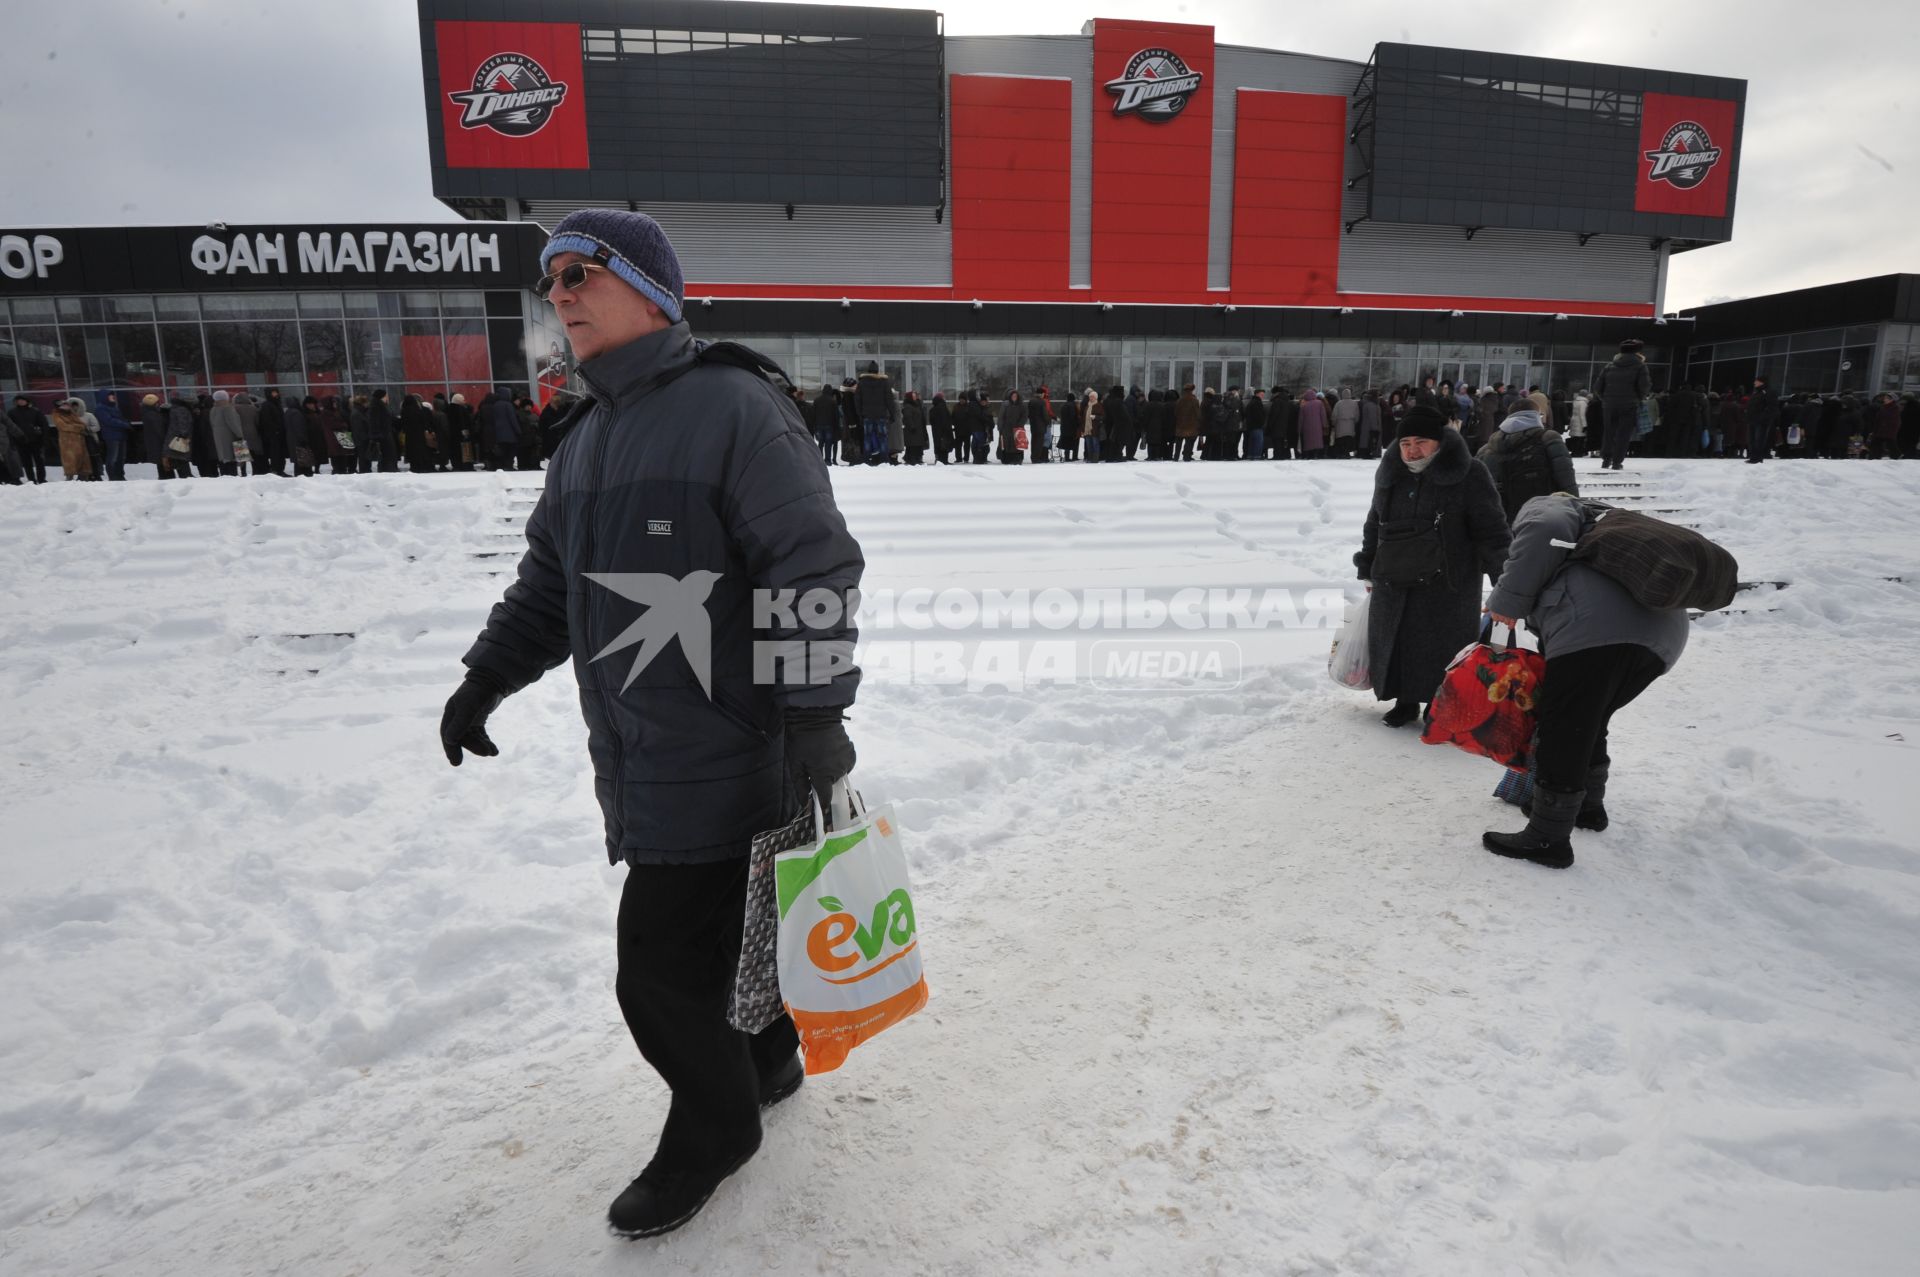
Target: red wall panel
[1698, 126]
[559, 142]
[1150, 176]
[1287, 159]
[1012, 157]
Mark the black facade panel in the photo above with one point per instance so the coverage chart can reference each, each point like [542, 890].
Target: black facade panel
[1552, 146]
[840, 99]
[1879, 299]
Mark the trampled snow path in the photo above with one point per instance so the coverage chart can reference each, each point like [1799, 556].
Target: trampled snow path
[1222, 981]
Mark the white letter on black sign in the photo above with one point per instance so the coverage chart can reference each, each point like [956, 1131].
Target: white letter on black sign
[209, 254]
[397, 254]
[453, 251]
[316, 259]
[429, 249]
[241, 254]
[16, 256]
[349, 251]
[272, 250]
[47, 253]
[487, 250]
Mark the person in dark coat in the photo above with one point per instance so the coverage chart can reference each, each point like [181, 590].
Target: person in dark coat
[416, 424]
[1283, 424]
[1682, 419]
[1070, 427]
[913, 427]
[206, 457]
[1013, 416]
[1119, 424]
[153, 433]
[940, 422]
[182, 429]
[873, 399]
[34, 430]
[824, 418]
[1039, 424]
[1909, 426]
[1603, 649]
[1255, 421]
[460, 444]
[1434, 529]
[497, 425]
[299, 422]
[1621, 386]
[1763, 416]
[114, 430]
[273, 435]
[336, 433]
[1527, 460]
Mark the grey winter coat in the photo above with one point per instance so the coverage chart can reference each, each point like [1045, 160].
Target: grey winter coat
[1414, 631]
[693, 474]
[249, 413]
[1346, 418]
[225, 421]
[1568, 605]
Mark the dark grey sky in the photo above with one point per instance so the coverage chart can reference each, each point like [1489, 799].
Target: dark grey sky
[183, 111]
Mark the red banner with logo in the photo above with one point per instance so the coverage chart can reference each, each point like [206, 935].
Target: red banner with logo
[512, 94]
[1152, 157]
[1686, 155]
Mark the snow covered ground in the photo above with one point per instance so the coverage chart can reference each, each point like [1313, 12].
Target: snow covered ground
[1222, 981]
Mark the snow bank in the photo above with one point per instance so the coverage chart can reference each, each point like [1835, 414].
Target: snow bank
[1221, 977]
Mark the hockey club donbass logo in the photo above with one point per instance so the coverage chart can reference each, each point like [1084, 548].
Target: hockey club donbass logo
[511, 94]
[1685, 157]
[1156, 86]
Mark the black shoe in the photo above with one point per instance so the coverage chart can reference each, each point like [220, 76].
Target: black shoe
[660, 1201]
[784, 1082]
[1545, 840]
[1402, 713]
[1526, 846]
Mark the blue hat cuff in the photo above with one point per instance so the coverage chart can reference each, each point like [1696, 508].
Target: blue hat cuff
[588, 246]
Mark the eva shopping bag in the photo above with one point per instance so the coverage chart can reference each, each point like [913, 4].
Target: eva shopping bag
[1347, 663]
[847, 944]
[1486, 702]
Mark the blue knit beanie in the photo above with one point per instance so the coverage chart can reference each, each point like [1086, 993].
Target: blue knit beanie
[633, 247]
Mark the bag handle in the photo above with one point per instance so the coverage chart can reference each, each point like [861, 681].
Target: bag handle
[844, 806]
[1488, 625]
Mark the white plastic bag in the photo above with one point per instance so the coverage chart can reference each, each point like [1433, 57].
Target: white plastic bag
[849, 946]
[1347, 663]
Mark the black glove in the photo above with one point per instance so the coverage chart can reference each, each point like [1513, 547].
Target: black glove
[818, 748]
[464, 722]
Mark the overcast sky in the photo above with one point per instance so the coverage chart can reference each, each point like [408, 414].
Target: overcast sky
[164, 112]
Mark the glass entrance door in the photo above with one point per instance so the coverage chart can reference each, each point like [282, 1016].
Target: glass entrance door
[1222, 373]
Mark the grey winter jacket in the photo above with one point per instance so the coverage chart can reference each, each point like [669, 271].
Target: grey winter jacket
[695, 475]
[249, 414]
[225, 421]
[1568, 605]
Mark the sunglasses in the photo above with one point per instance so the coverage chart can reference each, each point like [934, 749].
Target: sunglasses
[573, 275]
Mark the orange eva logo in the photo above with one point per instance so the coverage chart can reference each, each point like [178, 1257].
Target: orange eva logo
[827, 942]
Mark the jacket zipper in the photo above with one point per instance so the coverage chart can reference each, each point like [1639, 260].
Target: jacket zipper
[738, 717]
[596, 467]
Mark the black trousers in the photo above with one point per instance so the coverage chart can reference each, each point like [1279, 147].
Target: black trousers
[1623, 418]
[679, 944]
[1579, 694]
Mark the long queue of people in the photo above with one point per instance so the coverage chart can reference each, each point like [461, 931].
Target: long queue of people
[864, 421]
[240, 433]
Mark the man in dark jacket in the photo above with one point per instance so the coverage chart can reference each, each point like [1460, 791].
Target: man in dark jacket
[1039, 422]
[1603, 648]
[873, 398]
[1620, 387]
[1256, 424]
[1763, 414]
[273, 435]
[33, 428]
[498, 426]
[380, 446]
[1527, 460]
[688, 502]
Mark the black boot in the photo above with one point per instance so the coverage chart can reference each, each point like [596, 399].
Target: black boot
[1403, 712]
[1593, 815]
[782, 1082]
[1547, 838]
[662, 1199]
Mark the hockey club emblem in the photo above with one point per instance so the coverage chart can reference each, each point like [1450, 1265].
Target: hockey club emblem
[1685, 157]
[1156, 86]
[511, 95]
